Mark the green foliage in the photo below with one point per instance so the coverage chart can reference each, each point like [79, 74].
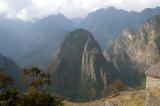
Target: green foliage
[10, 97]
[35, 77]
[10, 93]
[34, 96]
[118, 86]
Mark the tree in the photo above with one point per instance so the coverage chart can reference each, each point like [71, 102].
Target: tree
[10, 97]
[118, 86]
[34, 96]
[36, 78]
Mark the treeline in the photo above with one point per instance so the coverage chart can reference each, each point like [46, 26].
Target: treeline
[35, 81]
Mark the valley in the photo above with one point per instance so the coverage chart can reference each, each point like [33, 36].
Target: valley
[109, 58]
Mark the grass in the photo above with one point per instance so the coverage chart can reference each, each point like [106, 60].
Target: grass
[127, 98]
[132, 98]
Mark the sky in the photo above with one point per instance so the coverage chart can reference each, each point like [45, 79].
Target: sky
[28, 10]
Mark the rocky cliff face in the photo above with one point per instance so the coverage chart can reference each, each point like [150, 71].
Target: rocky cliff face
[107, 23]
[79, 69]
[132, 53]
[147, 43]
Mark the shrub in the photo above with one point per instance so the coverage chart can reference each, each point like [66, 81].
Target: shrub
[34, 96]
[10, 97]
[118, 86]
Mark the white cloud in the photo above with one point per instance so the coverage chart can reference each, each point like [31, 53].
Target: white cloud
[136, 5]
[23, 15]
[3, 6]
[29, 9]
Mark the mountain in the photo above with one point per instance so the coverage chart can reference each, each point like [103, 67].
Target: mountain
[134, 52]
[79, 70]
[12, 37]
[47, 34]
[36, 42]
[106, 24]
[11, 68]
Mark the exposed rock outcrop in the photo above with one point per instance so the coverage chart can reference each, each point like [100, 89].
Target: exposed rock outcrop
[80, 70]
[132, 53]
[107, 23]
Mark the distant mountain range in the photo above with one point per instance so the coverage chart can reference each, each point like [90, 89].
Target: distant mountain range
[107, 24]
[36, 42]
[47, 34]
[13, 35]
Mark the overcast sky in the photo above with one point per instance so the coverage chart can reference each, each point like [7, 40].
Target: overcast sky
[30, 9]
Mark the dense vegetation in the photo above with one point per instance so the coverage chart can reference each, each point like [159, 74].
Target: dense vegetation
[34, 95]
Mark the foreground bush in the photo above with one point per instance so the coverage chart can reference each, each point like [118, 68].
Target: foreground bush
[32, 97]
[35, 79]
[36, 97]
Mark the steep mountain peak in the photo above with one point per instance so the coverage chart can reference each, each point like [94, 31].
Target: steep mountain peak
[54, 17]
[78, 34]
[149, 32]
[151, 10]
[47, 34]
[136, 51]
[111, 8]
[79, 69]
[153, 22]
[107, 24]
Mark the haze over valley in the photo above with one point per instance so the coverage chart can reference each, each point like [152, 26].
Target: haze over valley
[95, 55]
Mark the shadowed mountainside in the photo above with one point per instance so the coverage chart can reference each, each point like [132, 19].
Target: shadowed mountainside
[79, 69]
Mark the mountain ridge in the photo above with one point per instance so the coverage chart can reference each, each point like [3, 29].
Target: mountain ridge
[134, 56]
[106, 24]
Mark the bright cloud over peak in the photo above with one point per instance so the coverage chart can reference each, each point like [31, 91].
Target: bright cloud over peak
[30, 9]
